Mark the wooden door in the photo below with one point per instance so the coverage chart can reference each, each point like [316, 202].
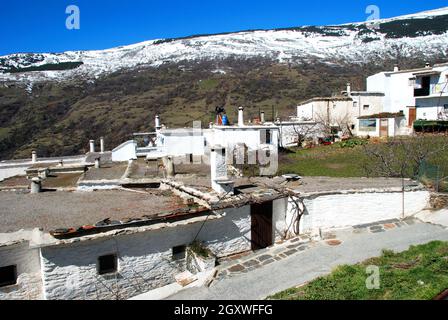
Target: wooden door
[384, 127]
[261, 226]
[412, 116]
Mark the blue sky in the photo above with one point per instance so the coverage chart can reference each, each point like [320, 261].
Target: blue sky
[39, 25]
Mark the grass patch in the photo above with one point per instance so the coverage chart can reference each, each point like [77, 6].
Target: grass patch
[421, 273]
[329, 161]
[349, 159]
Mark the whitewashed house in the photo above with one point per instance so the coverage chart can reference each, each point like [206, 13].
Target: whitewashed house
[421, 94]
[341, 112]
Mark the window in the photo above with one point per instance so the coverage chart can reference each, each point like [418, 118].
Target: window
[355, 104]
[367, 125]
[445, 108]
[366, 107]
[265, 137]
[422, 87]
[179, 252]
[107, 264]
[8, 276]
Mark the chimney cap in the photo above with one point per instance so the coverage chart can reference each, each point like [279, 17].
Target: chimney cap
[241, 108]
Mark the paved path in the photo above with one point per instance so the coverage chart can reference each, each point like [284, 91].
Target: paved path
[349, 246]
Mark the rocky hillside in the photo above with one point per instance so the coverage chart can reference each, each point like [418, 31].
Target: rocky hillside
[55, 103]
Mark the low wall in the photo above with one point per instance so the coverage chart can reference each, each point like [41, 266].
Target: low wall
[345, 210]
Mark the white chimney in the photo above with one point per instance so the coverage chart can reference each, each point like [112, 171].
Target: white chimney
[34, 157]
[349, 89]
[262, 118]
[92, 145]
[158, 126]
[36, 185]
[97, 163]
[241, 117]
[428, 65]
[396, 68]
[102, 144]
[218, 166]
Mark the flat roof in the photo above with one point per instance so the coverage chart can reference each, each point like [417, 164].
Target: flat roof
[56, 210]
[335, 98]
[327, 184]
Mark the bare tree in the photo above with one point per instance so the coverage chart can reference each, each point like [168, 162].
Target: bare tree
[305, 131]
[328, 120]
[402, 157]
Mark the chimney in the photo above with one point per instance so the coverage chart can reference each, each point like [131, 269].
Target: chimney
[349, 89]
[218, 166]
[168, 163]
[241, 117]
[36, 185]
[428, 65]
[34, 157]
[262, 118]
[158, 126]
[92, 145]
[102, 144]
[396, 68]
[97, 163]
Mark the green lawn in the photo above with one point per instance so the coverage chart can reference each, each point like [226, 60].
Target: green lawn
[328, 161]
[334, 161]
[421, 273]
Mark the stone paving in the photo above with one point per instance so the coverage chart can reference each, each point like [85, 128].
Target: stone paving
[247, 262]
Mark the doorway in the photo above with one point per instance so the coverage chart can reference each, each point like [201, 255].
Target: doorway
[384, 128]
[261, 225]
[412, 116]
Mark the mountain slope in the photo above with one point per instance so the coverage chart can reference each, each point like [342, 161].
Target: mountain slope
[424, 34]
[56, 103]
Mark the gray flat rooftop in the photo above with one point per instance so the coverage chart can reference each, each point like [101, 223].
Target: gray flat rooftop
[54, 210]
[326, 184]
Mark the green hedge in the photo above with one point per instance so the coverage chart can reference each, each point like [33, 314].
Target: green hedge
[430, 126]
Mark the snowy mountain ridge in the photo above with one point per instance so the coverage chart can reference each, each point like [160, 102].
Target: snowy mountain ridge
[422, 34]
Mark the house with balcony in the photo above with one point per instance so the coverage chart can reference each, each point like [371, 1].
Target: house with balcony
[419, 94]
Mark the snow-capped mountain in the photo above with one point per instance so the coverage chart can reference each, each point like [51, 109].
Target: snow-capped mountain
[424, 34]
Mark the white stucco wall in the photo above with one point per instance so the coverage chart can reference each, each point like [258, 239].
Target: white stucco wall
[145, 259]
[345, 210]
[182, 143]
[29, 280]
[431, 108]
[250, 136]
[125, 152]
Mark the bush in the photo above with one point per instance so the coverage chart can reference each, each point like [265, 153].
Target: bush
[353, 143]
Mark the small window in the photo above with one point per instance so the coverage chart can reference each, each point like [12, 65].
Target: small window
[445, 108]
[8, 276]
[179, 252]
[366, 107]
[265, 137]
[107, 264]
[355, 104]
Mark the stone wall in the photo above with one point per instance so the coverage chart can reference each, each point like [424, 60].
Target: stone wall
[438, 200]
[29, 281]
[145, 260]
